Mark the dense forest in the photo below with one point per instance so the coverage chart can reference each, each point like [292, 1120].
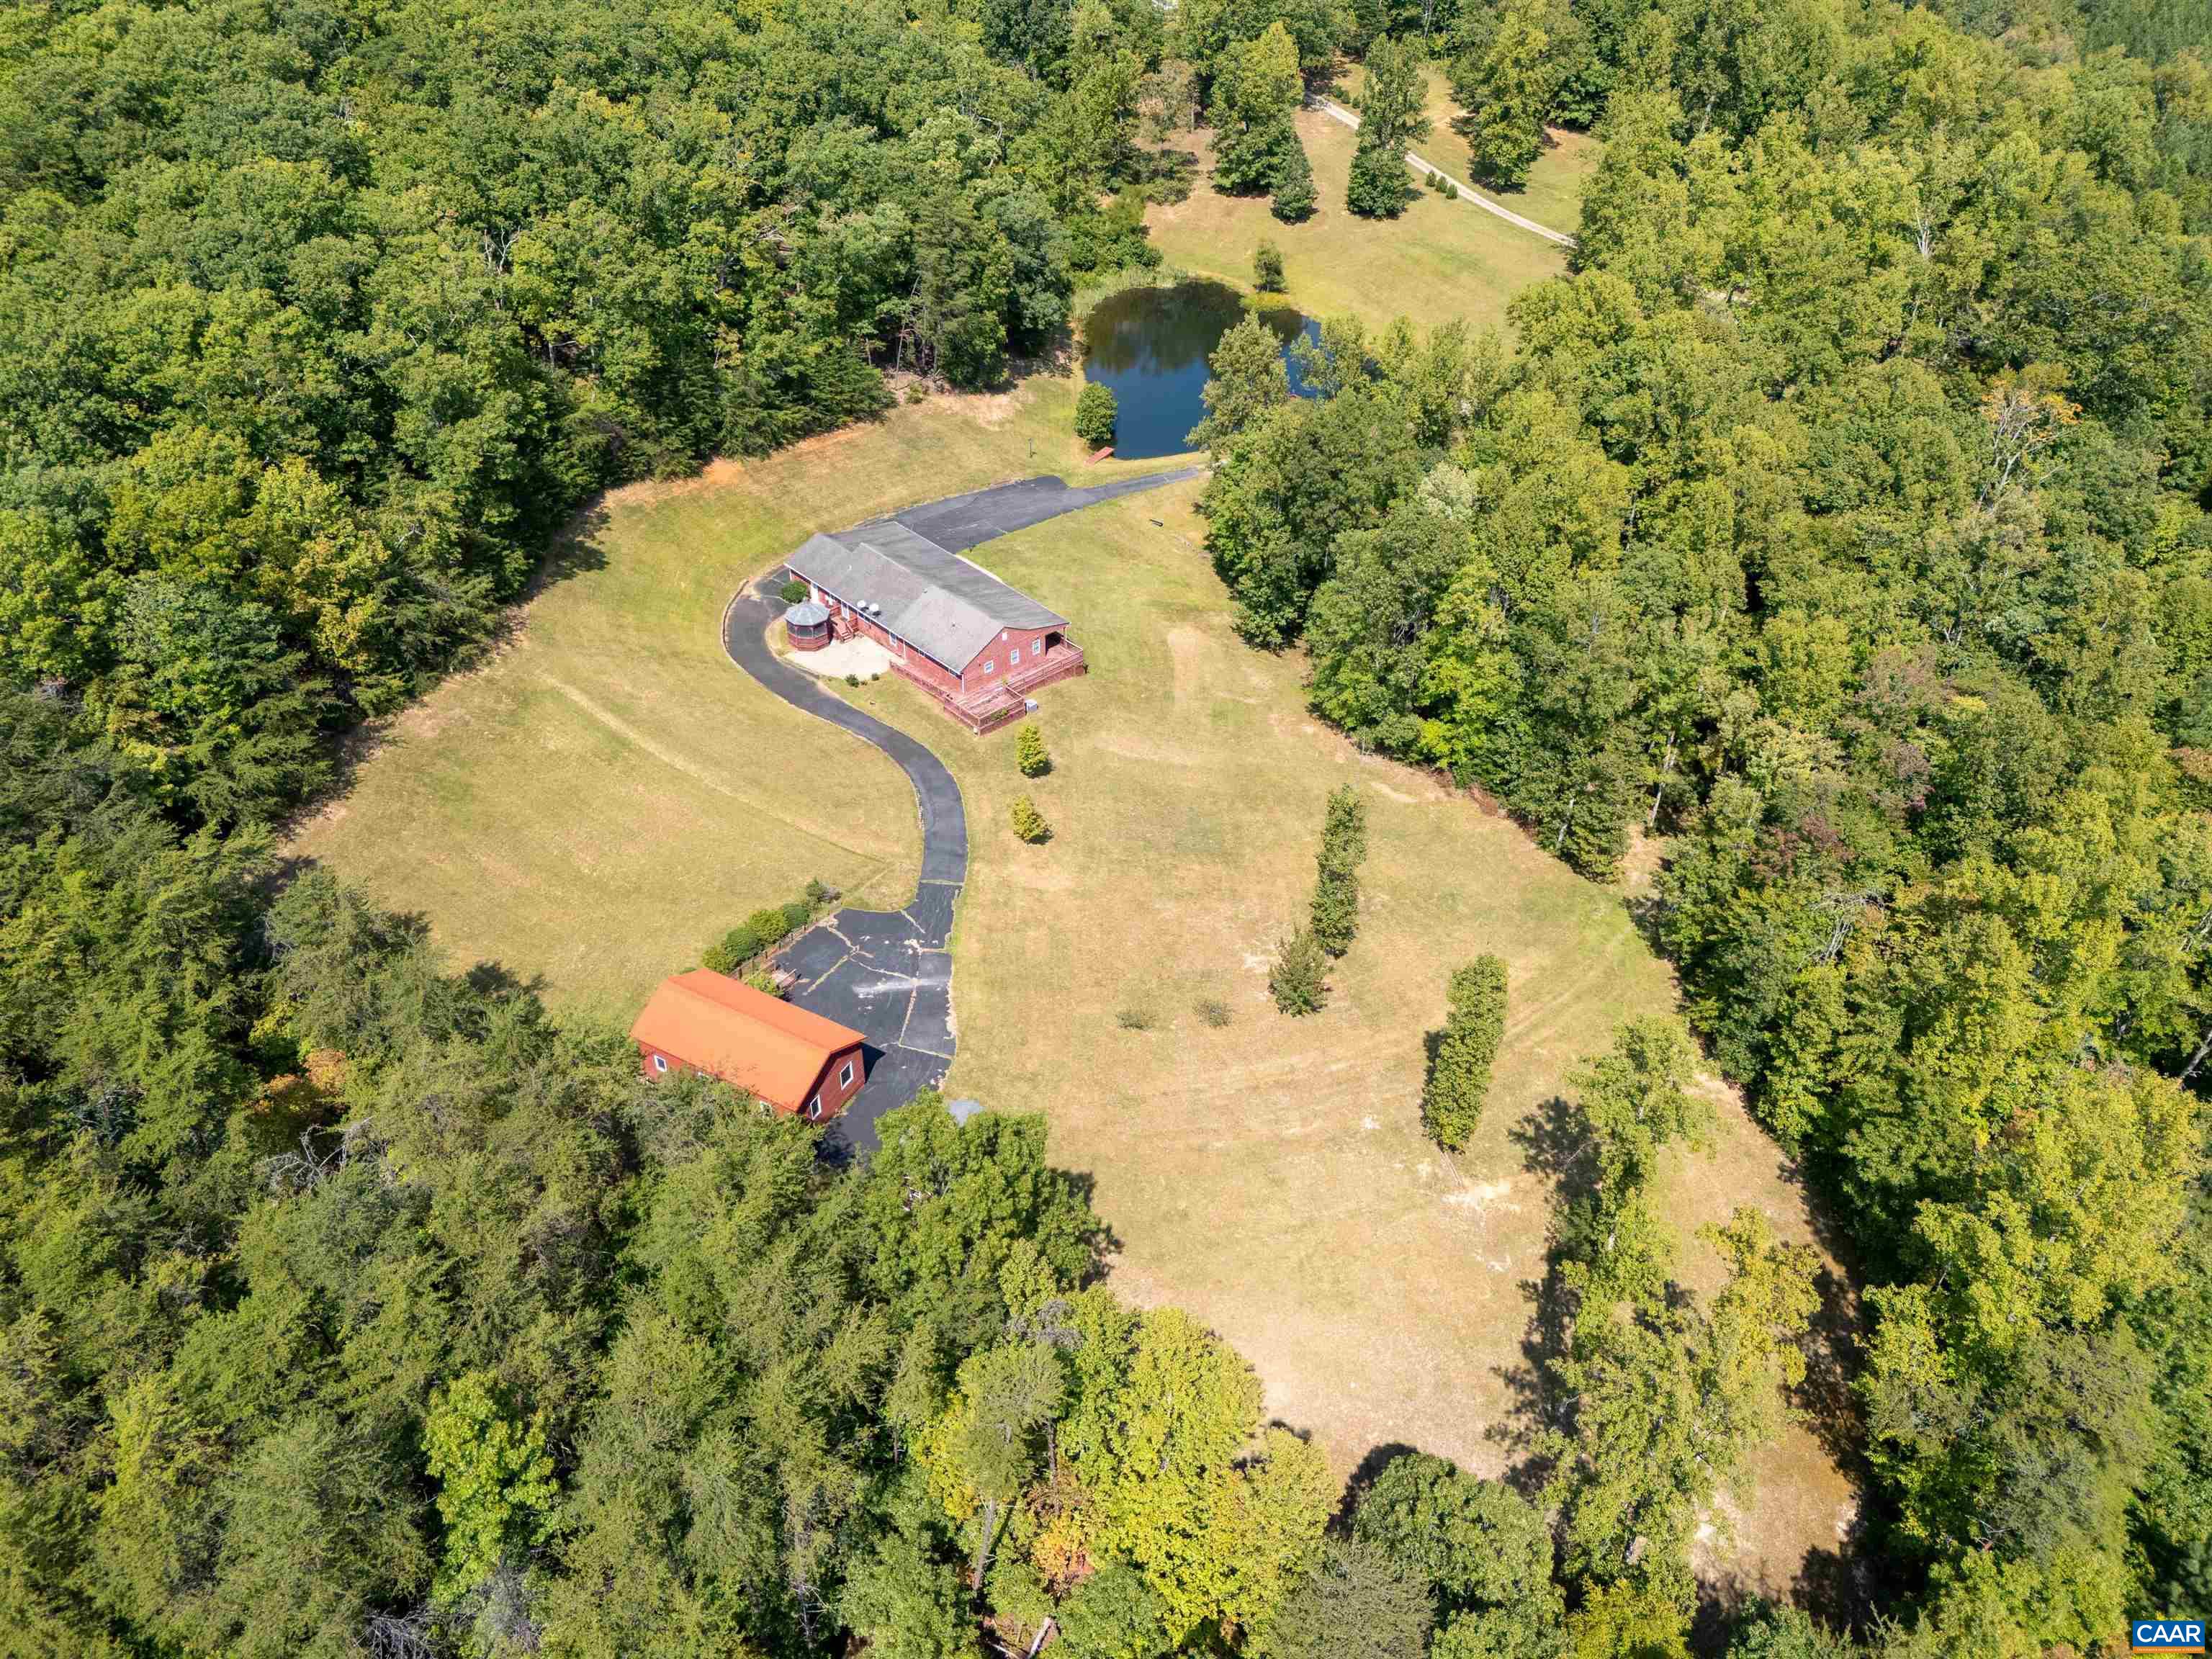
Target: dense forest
[1840, 520]
[1840, 523]
[315, 319]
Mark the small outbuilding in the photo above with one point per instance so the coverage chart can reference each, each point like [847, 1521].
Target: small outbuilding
[798, 1062]
[806, 625]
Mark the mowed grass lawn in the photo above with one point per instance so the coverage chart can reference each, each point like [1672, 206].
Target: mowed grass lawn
[1271, 1173]
[1436, 262]
[610, 792]
[1553, 193]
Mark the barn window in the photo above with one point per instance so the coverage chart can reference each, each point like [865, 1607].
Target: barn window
[814, 1107]
[845, 1077]
[660, 1062]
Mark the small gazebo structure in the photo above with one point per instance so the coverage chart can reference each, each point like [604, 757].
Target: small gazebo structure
[806, 625]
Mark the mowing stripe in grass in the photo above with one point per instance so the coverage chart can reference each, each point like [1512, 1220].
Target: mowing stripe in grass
[699, 773]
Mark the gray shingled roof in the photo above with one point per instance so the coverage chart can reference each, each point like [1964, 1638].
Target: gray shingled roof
[936, 601]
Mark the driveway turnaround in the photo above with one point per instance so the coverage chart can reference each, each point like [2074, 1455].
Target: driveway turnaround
[888, 974]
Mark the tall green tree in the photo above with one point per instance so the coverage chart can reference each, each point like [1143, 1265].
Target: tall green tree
[1459, 1070]
[985, 1451]
[1247, 379]
[1256, 89]
[1482, 1551]
[495, 1479]
[1354, 1601]
[1392, 118]
[1334, 912]
[1636, 1099]
[1294, 197]
[1506, 88]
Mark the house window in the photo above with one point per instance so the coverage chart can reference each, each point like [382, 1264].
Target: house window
[990, 666]
[845, 1077]
[660, 1062]
[814, 1107]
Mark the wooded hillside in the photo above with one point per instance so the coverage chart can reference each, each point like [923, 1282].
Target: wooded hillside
[1842, 520]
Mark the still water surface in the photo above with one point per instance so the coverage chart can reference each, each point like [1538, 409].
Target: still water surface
[1150, 345]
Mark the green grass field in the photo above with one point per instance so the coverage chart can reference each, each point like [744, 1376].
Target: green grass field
[1436, 262]
[609, 792]
[1271, 1173]
[1554, 194]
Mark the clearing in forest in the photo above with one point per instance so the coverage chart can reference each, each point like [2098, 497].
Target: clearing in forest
[1553, 193]
[1437, 261]
[1271, 1173]
[607, 794]
[610, 792]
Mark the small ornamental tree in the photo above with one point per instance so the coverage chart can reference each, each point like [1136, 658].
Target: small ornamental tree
[1267, 267]
[1459, 1072]
[1335, 911]
[1030, 753]
[731, 951]
[1029, 823]
[1295, 197]
[1096, 412]
[1298, 980]
[795, 591]
[1334, 916]
[1344, 827]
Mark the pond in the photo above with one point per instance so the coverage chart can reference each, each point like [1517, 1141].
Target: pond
[1150, 345]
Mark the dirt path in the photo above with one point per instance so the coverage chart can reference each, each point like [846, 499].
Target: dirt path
[1337, 112]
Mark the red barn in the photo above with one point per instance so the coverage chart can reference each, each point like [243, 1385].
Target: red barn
[797, 1062]
[951, 626]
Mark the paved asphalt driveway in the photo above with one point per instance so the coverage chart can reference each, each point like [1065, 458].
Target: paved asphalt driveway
[888, 974]
[960, 522]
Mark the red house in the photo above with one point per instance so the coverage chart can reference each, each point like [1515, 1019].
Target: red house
[951, 626]
[797, 1062]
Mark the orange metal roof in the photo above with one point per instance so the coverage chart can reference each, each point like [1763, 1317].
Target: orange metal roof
[742, 1036]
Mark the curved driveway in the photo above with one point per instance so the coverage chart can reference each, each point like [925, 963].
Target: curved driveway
[887, 973]
[944, 822]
